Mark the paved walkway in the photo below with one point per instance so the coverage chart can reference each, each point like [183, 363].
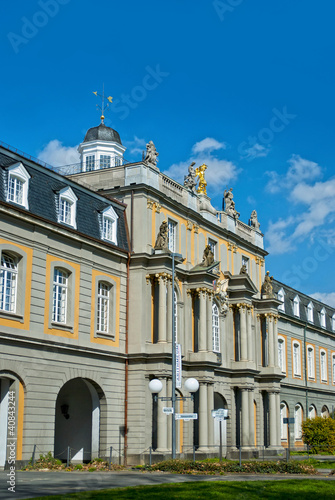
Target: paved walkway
[33, 484]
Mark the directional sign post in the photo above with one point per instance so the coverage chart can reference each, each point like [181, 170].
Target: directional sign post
[288, 421]
[186, 416]
[168, 410]
[220, 415]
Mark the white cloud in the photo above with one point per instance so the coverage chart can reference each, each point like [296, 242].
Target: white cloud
[208, 144]
[276, 236]
[136, 146]
[326, 298]
[58, 155]
[300, 170]
[256, 151]
[219, 172]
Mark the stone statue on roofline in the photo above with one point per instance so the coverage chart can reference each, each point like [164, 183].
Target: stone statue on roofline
[208, 257]
[253, 221]
[229, 204]
[151, 155]
[162, 240]
[190, 180]
[267, 288]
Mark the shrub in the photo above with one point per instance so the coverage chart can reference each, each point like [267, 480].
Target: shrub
[319, 434]
[92, 469]
[78, 466]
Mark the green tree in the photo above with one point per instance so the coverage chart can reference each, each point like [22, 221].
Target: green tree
[319, 434]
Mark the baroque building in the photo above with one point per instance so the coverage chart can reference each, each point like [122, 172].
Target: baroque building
[100, 311]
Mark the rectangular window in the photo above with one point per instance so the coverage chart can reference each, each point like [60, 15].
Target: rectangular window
[105, 161]
[245, 262]
[90, 161]
[323, 366]
[15, 190]
[212, 245]
[310, 363]
[215, 328]
[333, 368]
[108, 229]
[296, 359]
[172, 235]
[60, 290]
[8, 283]
[103, 307]
[65, 211]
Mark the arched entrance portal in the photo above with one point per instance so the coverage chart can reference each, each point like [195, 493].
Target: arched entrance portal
[220, 403]
[77, 421]
[11, 417]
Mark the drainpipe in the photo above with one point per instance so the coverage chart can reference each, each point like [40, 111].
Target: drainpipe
[306, 379]
[126, 370]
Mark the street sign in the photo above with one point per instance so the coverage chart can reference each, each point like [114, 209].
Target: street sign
[221, 413]
[168, 409]
[288, 420]
[186, 416]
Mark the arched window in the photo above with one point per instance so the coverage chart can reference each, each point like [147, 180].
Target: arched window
[215, 328]
[310, 362]
[333, 367]
[109, 225]
[17, 188]
[281, 297]
[281, 354]
[311, 412]
[8, 283]
[323, 365]
[283, 427]
[103, 307]
[60, 295]
[310, 312]
[67, 207]
[324, 411]
[297, 422]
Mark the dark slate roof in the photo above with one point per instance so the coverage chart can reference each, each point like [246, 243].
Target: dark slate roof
[102, 133]
[44, 187]
[290, 294]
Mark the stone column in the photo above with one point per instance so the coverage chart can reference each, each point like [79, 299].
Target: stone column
[210, 396]
[162, 430]
[244, 340]
[169, 417]
[278, 443]
[209, 324]
[273, 419]
[169, 312]
[202, 322]
[245, 417]
[203, 417]
[270, 341]
[232, 418]
[251, 418]
[162, 310]
[275, 343]
[250, 336]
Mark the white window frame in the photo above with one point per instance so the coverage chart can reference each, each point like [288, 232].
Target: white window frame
[8, 282]
[333, 322]
[296, 358]
[281, 297]
[282, 353]
[69, 199]
[296, 306]
[103, 307]
[213, 246]
[298, 417]
[310, 315]
[333, 368]
[172, 235]
[109, 225]
[105, 161]
[17, 173]
[311, 412]
[215, 328]
[323, 366]
[246, 262]
[310, 362]
[323, 318]
[90, 163]
[60, 295]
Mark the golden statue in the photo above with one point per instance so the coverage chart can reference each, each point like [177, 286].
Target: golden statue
[200, 172]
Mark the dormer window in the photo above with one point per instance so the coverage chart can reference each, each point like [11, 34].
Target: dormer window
[17, 188]
[109, 225]
[310, 312]
[323, 318]
[281, 297]
[105, 161]
[296, 306]
[333, 322]
[67, 207]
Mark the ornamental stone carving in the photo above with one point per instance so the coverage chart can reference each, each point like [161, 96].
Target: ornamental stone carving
[253, 221]
[151, 155]
[162, 240]
[208, 257]
[190, 180]
[221, 295]
[229, 204]
[267, 288]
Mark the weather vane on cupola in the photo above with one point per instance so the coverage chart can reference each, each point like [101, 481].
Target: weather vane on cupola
[104, 105]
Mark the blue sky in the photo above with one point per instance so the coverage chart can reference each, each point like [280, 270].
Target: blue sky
[246, 86]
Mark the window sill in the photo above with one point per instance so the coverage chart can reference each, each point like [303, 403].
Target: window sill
[62, 326]
[104, 335]
[12, 316]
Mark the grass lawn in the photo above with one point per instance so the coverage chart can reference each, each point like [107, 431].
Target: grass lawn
[306, 489]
